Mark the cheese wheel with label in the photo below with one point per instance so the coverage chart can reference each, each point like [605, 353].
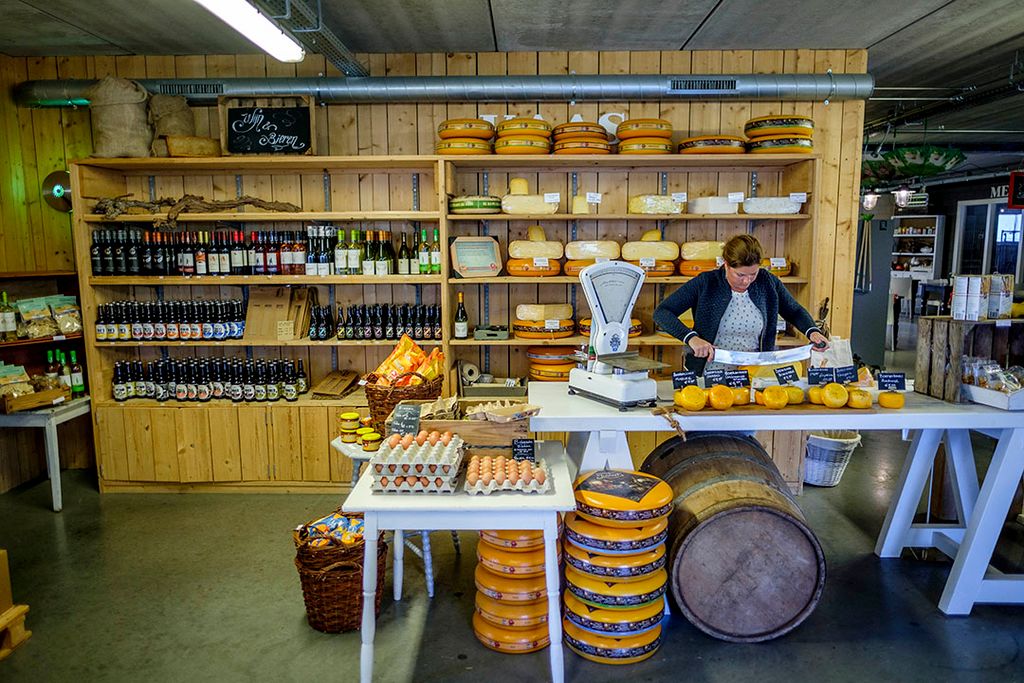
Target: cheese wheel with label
[779, 124]
[522, 144]
[582, 146]
[465, 128]
[616, 594]
[509, 589]
[510, 640]
[592, 249]
[617, 567]
[779, 267]
[474, 204]
[506, 562]
[655, 268]
[619, 540]
[613, 622]
[515, 539]
[511, 614]
[622, 497]
[713, 144]
[587, 130]
[539, 329]
[550, 372]
[543, 311]
[781, 144]
[635, 327]
[550, 355]
[650, 246]
[644, 128]
[523, 125]
[574, 267]
[645, 146]
[692, 268]
[701, 251]
[611, 649]
[462, 146]
[537, 245]
[528, 267]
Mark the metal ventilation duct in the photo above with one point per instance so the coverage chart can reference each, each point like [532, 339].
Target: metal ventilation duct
[590, 88]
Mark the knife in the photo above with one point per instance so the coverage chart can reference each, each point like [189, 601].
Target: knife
[763, 357]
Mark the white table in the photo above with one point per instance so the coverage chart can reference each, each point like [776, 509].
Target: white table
[354, 453]
[597, 435]
[48, 419]
[462, 511]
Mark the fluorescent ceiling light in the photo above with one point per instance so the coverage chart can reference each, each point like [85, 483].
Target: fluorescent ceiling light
[247, 20]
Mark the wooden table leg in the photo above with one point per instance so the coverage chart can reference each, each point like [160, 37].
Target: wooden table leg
[53, 464]
[369, 624]
[900, 516]
[551, 577]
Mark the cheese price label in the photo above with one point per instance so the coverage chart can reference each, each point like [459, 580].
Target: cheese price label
[593, 198]
[551, 324]
[800, 197]
[777, 262]
[786, 374]
[647, 262]
[540, 261]
[684, 378]
[892, 381]
[552, 197]
[817, 376]
[846, 374]
[713, 377]
[679, 197]
[719, 261]
[736, 197]
[737, 378]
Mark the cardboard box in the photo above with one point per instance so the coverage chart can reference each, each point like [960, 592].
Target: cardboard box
[278, 313]
[1000, 296]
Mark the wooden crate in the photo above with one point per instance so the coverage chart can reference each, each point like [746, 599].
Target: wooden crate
[481, 437]
[12, 617]
[943, 342]
[40, 399]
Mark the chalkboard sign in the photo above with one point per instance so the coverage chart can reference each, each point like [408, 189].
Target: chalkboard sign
[684, 378]
[1015, 198]
[786, 374]
[846, 374]
[892, 381]
[713, 377]
[817, 376]
[406, 419]
[253, 126]
[737, 378]
[524, 449]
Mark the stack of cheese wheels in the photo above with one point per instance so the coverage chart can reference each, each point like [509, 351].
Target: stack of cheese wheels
[699, 257]
[780, 134]
[523, 136]
[712, 144]
[511, 600]
[583, 253]
[581, 137]
[636, 328]
[551, 363]
[779, 266]
[536, 256]
[656, 256]
[543, 321]
[645, 136]
[615, 566]
[464, 136]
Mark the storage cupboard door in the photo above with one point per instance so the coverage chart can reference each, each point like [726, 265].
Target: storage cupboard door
[110, 447]
[316, 444]
[254, 443]
[286, 452]
[225, 445]
[165, 444]
[195, 462]
[138, 433]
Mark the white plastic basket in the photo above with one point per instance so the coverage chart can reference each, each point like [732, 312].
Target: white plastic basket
[828, 453]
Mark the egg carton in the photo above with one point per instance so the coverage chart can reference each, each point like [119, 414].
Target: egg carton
[519, 486]
[413, 484]
[419, 460]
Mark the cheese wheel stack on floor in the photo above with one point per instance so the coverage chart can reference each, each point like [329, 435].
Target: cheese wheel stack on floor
[511, 612]
[780, 134]
[615, 566]
[523, 136]
[464, 136]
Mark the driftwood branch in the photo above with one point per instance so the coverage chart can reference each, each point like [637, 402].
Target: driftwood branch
[112, 207]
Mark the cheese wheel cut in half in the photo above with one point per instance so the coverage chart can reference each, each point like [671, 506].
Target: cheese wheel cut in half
[657, 269]
[465, 128]
[712, 144]
[607, 540]
[538, 329]
[514, 539]
[550, 355]
[635, 327]
[474, 204]
[779, 124]
[543, 311]
[644, 128]
[650, 246]
[518, 186]
[616, 567]
[580, 146]
[781, 144]
[527, 267]
[695, 267]
[645, 146]
[550, 372]
[776, 269]
[511, 614]
[526, 204]
[462, 146]
[622, 497]
[616, 594]
[522, 144]
[506, 562]
[510, 640]
[520, 126]
[653, 204]
[587, 130]
[611, 649]
[700, 251]
[537, 245]
[593, 249]
[510, 589]
[617, 622]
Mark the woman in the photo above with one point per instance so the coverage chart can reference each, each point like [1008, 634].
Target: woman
[734, 307]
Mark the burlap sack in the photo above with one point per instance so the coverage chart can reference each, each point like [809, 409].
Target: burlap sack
[120, 128]
[169, 115]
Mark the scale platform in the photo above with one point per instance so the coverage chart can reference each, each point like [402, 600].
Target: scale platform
[623, 406]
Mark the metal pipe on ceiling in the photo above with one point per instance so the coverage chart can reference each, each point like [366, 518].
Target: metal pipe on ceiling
[569, 88]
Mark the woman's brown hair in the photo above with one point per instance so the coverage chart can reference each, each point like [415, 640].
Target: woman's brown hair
[741, 251]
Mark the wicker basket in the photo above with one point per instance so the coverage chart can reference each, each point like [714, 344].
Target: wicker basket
[382, 400]
[828, 454]
[332, 583]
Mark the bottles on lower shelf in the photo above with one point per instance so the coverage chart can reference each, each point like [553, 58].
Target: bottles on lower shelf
[187, 320]
[388, 321]
[206, 379]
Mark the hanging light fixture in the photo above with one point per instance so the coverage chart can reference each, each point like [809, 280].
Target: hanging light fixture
[247, 20]
[869, 200]
[902, 196]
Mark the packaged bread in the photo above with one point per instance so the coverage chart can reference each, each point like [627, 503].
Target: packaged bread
[697, 251]
[536, 245]
[650, 246]
[654, 203]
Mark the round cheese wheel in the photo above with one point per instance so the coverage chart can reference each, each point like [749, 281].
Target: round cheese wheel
[510, 640]
[593, 249]
[574, 266]
[712, 144]
[549, 355]
[778, 271]
[465, 128]
[522, 144]
[644, 128]
[636, 328]
[780, 144]
[503, 561]
[518, 126]
[696, 267]
[613, 622]
[510, 589]
[579, 146]
[645, 146]
[586, 130]
[616, 567]
[526, 267]
[616, 594]
[659, 269]
[511, 614]
[462, 146]
[514, 539]
[611, 649]
[622, 497]
[605, 540]
[551, 372]
[474, 204]
[778, 124]
[538, 329]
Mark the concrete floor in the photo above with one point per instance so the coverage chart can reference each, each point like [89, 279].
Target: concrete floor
[202, 588]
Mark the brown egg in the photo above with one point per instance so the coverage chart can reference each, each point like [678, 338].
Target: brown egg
[499, 477]
[407, 440]
[513, 477]
[424, 480]
[472, 477]
[485, 478]
[526, 476]
[421, 439]
[539, 475]
[394, 440]
[446, 438]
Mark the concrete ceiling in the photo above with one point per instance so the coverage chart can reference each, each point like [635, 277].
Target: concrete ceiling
[939, 43]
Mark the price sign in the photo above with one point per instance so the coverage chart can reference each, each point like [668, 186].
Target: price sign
[786, 374]
[405, 419]
[552, 197]
[1002, 322]
[713, 377]
[593, 198]
[684, 378]
[679, 197]
[737, 378]
[846, 374]
[736, 197]
[817, 376]
[647, 262]
[719, 261]
[540, 261]
[892, 381]
[777, 261]
[798, 197]
[551, 324]
[524, 449]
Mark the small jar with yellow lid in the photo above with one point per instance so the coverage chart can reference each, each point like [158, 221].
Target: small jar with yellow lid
[348, 421]
[362, 432]
[348, 436]
[371, 442]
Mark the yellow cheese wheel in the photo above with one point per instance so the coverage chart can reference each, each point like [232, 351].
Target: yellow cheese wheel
[636, 328]
[616, 567]
[510, 640]
[551, 372]
[645, 146]
[549, 355]
[527, 267]
[696, 266]
[465, 128]
[614, 622]
[712, 144]
[530, 249]
[779, 124]
[543, 311]
[611, 649]
[519, 126]
[514, 539]
[574, 266]
[779, 271]
[538, 329]
[587, 535]
[616, 594]
[622, 497]
[511, 614]
[522, 144]
[659, 269]
[592, 249]
[503, 561]
[510, 589]
[644, 128]
[581, 146]
[587, 130]
[462, 146]
[780, 144]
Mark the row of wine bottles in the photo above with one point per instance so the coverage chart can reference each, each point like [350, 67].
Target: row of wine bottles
[70, 374]
[170, 320]
[210, 378]
[377, 321]
[319, 250]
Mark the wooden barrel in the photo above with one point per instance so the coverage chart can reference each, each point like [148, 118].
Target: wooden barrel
[745, 567]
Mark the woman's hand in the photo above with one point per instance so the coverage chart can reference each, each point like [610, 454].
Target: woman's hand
[701, 348]
[819, 340]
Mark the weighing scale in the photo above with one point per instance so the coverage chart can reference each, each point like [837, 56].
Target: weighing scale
[614, 376]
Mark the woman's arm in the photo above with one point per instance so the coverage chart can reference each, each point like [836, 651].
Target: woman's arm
[674, 305]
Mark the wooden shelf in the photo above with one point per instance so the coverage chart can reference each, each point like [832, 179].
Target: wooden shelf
[41, 340]
[353, 400]
[570, 279]
[687, 163]
[268, 164]
[271, 216]
[36, 275]
[230, 343]
[631, 217]
[579, 340]
[257, 280]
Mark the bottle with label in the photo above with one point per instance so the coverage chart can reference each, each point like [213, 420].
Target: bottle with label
[77, 378]
[96, 252]
[461, 319]
[435, 252]
[370, 254]
[52, 369]
[355, 254]
[341, 254]
[404, 258]
[272, 255]
[289, 388]
[120, 257]
[325, 252]
[423, 253]
[8, 320]
[65, 370]
[301, 381]
[382, 265]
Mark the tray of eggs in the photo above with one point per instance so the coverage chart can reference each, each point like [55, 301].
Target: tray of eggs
[425, 454]
[488, 474]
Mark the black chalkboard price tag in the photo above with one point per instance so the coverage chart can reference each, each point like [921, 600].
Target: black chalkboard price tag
[846, 374]
[684, 378]
[524, 449]
[817, 376]
[406, 419]
[254, 126]
[892, 381]
[786, 374]
[713, 377]
[737, 378]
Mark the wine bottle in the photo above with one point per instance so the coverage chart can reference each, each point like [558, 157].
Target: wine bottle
[461, 319]
[423, 253]
[120, 258]
[341, 254]
[370, 254]
[272, 255]
[405, 258]
[77, 378]
[302, 382]
[96, 252]
[8, 320]
[435, 252]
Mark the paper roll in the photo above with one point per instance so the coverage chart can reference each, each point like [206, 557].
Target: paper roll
[469, 372]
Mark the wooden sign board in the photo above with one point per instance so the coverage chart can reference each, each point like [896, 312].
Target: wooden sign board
[1015, 198]
[267, 125]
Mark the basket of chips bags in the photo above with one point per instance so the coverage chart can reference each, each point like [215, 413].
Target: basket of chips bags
[408, 373]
